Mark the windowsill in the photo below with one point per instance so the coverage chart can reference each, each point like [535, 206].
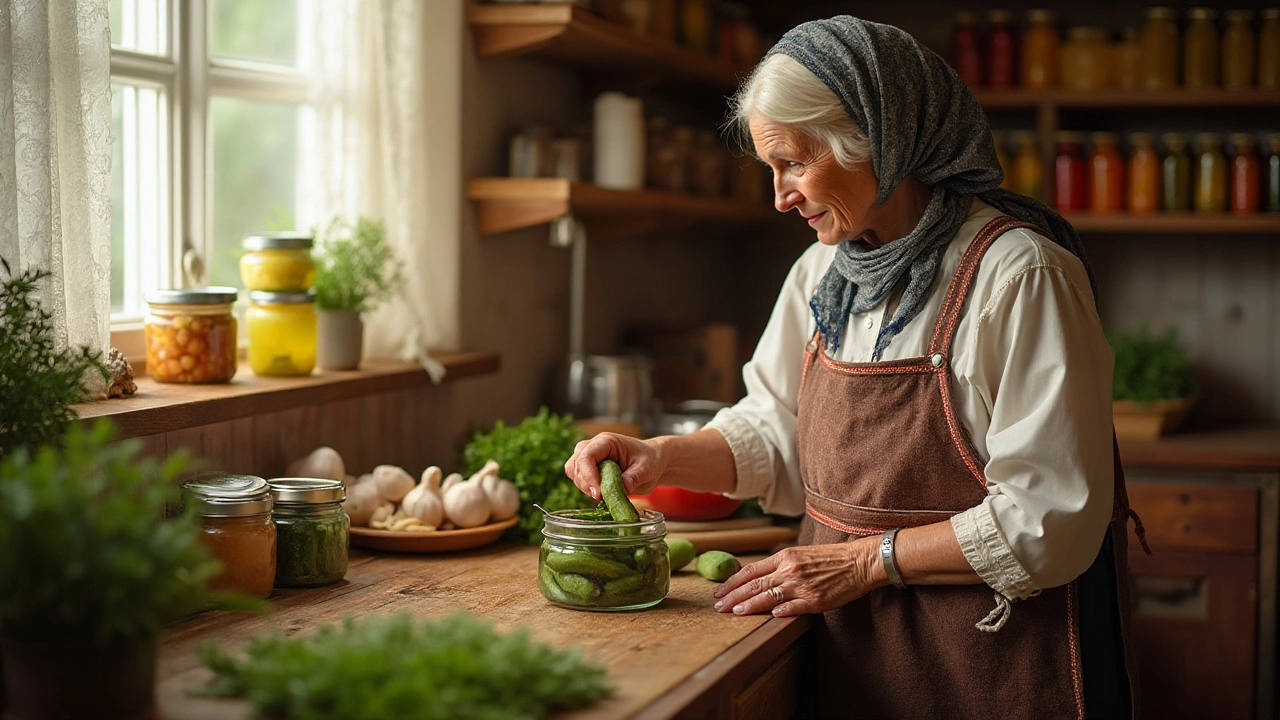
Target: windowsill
[163, 407]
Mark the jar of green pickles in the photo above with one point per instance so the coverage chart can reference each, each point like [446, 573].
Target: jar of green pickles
[312, 531]
[593, 565]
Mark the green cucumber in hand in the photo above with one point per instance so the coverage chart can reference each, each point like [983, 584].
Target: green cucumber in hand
[614, 493]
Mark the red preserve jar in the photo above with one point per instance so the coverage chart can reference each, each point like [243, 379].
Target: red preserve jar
[965, 55]
[1001, 70]
[1070, 188]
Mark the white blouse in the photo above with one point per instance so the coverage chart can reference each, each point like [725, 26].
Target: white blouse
[1031, 378]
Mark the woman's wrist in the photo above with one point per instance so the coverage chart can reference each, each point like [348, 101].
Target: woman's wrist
[868, 562]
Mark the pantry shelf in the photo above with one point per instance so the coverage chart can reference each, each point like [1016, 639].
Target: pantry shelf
[569, 34]
[1120, 99]
[1176, 222]
[504, 204]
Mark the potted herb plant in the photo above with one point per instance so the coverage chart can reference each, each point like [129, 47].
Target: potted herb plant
[1153, 384]
[356, 270]
[92, 573]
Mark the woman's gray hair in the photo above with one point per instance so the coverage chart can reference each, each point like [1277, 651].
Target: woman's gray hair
[781, 90]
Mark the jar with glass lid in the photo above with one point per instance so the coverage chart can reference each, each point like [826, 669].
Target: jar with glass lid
[1086, 59]
[1159, 42]
[234, 512]
[1269, 50]
[312, 531]
[1200, 50]
[1040, 46]
[190, 335]
[1238, 50]
[1210, 174]
[592, 565]
[1175, 174]
[282, 333]
[278, 262]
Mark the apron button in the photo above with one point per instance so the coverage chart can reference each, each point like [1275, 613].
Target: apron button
[813, 345]
[936, 359]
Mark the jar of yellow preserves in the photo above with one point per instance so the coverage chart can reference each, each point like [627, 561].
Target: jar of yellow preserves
[1200, 50]
[1159, 41]
[282, 333]
[1239, 50]
[1086, 59]
[278, 262]
[1269, 50]
[191, 335]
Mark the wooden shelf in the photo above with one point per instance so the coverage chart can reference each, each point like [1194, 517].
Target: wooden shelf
[1242, 448]
[504, 204]
[1179, 223]
[1007, 99]
[571, 35]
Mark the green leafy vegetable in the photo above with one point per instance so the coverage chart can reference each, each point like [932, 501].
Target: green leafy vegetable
[356, 268]
[84, 548]
[1149, 368]
[532, 455]
[38, 381]
[396, 667]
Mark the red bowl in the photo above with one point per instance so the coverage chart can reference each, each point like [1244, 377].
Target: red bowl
[679, 504]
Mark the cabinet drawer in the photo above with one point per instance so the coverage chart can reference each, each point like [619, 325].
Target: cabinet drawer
[774, 694]
[1198, 518]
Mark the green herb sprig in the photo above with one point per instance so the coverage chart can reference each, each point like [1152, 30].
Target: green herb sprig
[38, 381]
[85, 550]
[532, 455]
[356, 268]
[397, 667]
[1150, 367]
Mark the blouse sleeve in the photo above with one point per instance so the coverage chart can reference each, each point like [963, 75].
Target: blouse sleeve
[761, 428]
[1042, 365]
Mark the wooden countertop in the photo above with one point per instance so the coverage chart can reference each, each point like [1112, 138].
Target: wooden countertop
[659, 659]
[1255, 448]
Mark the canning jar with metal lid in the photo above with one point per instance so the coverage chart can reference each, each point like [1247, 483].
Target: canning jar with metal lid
[191, 335]
[235, 517]
[278, 262]
[312, 531]
[592, 565]
[282, 333]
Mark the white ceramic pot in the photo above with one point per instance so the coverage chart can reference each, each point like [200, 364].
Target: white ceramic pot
[340, 340]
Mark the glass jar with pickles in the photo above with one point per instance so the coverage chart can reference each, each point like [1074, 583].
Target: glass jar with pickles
[278, 262]
[191, 335]
[603, 565]
[234, 512]
[312, 531]
[282, 333]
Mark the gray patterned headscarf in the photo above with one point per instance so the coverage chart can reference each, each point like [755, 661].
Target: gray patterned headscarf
[921, 120]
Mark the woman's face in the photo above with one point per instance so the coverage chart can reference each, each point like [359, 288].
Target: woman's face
[835, 200]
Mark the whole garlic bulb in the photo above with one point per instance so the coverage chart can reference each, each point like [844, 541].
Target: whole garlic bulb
[362, 500]
[453, 479]
[504, 498]
[393, 483]
[323, 462]
[466, 504]
[431, 478]
[423, 504]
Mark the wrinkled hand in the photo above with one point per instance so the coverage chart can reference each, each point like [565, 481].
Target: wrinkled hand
[639, 459]
[809, 579]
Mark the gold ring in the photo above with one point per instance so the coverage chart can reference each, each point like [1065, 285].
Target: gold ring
[775, 592]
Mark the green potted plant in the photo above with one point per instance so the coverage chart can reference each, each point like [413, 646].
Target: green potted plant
[1153, 384]
[356, 270]
[92, 572]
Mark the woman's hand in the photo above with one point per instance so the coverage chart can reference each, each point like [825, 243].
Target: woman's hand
[640, 460]
[805, 579]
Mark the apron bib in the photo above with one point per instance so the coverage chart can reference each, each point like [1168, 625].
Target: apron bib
[881, 446]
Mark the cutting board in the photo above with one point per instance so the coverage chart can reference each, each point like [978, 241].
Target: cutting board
[679, 527]
[740, 540]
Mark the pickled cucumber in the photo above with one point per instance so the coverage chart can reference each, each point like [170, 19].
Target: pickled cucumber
[680, 551]
[583, 562]
[717, 565]
[614, 493]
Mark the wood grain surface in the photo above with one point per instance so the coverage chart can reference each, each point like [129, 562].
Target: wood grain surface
[648, 653]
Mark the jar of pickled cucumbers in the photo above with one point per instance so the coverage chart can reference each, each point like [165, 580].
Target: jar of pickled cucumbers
[191, 335]
[278, 262]
[603, 565]
[282, 333]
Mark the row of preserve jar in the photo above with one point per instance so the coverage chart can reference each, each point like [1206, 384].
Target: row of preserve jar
[283, 533]
[191, 333]
[1149, 181]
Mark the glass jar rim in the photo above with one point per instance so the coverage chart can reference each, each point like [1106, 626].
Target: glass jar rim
[213, 295]
[278, 241]
[557, 526]
[215, 494]
[306, 491]
[263, 297]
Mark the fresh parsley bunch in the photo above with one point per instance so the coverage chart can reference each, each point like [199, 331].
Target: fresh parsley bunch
[1150, 367]
[532, 455]
[397, 667]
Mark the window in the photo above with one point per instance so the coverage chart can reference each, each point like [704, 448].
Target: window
[208, 104]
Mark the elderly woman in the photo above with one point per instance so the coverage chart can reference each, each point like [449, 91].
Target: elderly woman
[933, 391]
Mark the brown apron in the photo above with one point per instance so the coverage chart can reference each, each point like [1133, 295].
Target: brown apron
[881, 446]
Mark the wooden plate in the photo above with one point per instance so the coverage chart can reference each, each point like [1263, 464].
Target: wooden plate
[430, 542]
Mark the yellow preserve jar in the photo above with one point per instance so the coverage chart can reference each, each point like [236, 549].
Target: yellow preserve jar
[191, 335]
[282, 333]
[1086, 59]
[1159, 42]
[1201, 54]
[1269, 50]
[1238, 50]
[278, 262]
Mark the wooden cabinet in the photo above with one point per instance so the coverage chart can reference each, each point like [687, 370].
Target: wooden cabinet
[1204, 603]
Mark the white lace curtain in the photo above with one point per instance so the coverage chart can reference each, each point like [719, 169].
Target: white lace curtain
[387, 87]
[55, 159]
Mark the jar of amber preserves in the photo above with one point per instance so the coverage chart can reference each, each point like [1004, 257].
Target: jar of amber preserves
[1159, 42]
[1238, 50]
[1028, 172]
[1144, 175]
[235, 517]
[1200, 50]
[1210, 174]
[191, 335]
[1106, 174]
[278, 262]
[1269, 50]
[282, 333]
[1039, 57]
[1128, 59]
[1086, 59]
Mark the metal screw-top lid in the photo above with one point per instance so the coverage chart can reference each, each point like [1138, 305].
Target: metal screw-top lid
[306, 491]
[215, 295]
[226, 495]
[262, 297]
[279, 241]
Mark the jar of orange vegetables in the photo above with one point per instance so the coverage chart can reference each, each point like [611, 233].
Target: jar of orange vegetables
[191, 335]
